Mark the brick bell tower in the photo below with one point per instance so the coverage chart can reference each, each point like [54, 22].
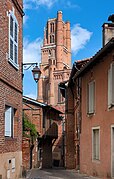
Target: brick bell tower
[55, 60]
[55, 67]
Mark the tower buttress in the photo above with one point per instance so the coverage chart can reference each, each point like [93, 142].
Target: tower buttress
[59, 50]
[68, 42]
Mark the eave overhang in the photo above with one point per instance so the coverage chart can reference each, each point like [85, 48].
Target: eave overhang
[96, 59]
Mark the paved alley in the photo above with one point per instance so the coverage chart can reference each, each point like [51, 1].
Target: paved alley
[56, 174]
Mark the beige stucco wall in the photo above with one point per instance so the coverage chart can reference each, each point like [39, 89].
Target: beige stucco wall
[102, 118]
[6, 165]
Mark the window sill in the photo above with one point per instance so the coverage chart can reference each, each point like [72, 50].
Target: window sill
[16, 66]
[90, 114]
[111, 107]
[96, 161]
[61, 102]
[10, 139]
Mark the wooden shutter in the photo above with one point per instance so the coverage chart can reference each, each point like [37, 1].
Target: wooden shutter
[111, 86]
[16, 43]
[13, 38]
[8, 122]
[112, 83]
[96, 144]
[91, 97]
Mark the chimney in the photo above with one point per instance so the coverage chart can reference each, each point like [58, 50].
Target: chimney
[108, 30]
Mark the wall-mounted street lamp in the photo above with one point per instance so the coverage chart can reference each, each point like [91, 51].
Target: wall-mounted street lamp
[36, 71]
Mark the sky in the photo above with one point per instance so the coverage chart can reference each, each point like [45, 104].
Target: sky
[86, 20]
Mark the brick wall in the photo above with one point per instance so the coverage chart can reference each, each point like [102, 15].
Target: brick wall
[10, 93]
[69, 131]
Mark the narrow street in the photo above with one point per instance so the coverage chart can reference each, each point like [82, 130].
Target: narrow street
[56, 174]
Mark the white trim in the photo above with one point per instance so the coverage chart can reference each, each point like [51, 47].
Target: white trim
[95, 128]
[46, 47]
[33, 101]
[9, 118]
[14, 64]
[12, 61]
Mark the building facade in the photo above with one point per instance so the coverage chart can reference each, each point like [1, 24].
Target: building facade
[11, 16]
[71, 91]
[38, 153]
[92, 106]
[55, 67]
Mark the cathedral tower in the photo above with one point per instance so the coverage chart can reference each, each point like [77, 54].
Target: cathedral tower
[55, 60]
[55, 67]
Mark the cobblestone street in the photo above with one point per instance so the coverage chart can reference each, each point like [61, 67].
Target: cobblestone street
[56, 174]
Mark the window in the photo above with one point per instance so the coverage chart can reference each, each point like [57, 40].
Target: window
[52, 27]
[111, 86]
[60, 98]
[9, 118]
[13, 39]
[91, 97]
[51, 38]
[96, 143]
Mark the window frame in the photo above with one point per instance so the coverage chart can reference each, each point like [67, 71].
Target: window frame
[13, 60]
[94, 156]
[89, 99]
[11, 122]
[60, 98]
[52, 27]
[111, 86]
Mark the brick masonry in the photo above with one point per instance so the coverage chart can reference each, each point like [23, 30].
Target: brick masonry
[55, 67]
[10, 94]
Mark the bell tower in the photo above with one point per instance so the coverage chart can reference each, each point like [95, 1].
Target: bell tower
[55, 59]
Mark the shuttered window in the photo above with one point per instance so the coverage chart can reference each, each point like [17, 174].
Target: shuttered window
[96, 144]
[111, 86]
[9, 117]
[13, 39]
[91, 97]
